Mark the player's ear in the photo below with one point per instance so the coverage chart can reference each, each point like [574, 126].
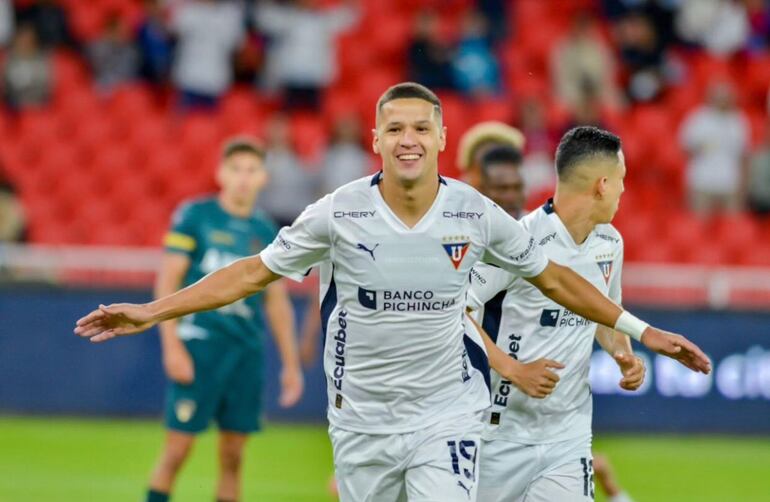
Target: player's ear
[600, 187]
[375, 142]
[442, 139]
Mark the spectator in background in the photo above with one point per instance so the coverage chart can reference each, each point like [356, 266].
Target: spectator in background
[155, 43]
[6, 22]
[476, 70]
[759, 176]
[301, 54]
[580, 60]
[496, 14]
[642, 55]
[27, 73]
[292, 185]
[50, 22]
[113, 57]
[720, 26]
[716, 137]
[345, 159]
[208, 34]
[429, 56]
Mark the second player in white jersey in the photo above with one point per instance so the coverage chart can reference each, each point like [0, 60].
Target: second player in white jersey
[527, 325]
[537, 441]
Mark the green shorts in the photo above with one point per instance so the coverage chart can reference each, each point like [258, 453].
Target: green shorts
[227, 388]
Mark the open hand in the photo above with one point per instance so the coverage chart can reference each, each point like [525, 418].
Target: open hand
[118, 319]
[676, 347]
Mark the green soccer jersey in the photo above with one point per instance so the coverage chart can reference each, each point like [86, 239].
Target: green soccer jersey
[213, 238]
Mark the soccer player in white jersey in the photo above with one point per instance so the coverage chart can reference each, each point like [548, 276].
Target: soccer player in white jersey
[537, 435]
[405, 391]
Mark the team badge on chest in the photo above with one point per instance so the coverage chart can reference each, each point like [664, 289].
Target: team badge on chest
[456, 248]
[604, 263]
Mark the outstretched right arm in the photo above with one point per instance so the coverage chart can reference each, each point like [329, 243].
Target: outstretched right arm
[295, 250]
[238, 280]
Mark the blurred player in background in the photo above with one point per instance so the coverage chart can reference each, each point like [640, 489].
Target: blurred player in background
[541, 450]
[477, 140]
[214, 359]
[406, 377]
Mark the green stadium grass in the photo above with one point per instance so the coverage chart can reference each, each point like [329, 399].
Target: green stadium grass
[70, 460]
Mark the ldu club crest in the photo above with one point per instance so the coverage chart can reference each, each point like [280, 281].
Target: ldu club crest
[456, 247]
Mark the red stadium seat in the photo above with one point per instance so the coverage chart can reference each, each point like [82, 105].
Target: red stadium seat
[308, 135]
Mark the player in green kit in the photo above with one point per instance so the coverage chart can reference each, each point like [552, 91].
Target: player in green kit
[214, 359]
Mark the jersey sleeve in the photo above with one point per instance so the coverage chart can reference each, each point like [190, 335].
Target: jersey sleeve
[486, 281]
[615, 292]
[510, 246]
[303, 245]
[182, 236]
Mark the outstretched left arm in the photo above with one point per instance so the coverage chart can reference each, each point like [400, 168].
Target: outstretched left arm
[568, 289]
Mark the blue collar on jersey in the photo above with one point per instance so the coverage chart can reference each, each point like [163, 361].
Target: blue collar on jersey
[378, 177]
[548, 206]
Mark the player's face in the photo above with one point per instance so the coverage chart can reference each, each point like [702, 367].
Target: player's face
[504, 185]
[613, 188]
[241, 177]
[409, 137]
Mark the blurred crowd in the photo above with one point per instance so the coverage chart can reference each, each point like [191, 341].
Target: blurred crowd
[612, 57]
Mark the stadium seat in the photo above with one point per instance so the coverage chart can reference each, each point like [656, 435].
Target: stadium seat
[308, 135]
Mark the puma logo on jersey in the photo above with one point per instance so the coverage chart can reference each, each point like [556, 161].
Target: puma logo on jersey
[370, 251]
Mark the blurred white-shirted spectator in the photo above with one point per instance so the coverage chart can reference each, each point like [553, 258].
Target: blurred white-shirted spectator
[716, 138]
[208, 33]
[27, 75]
[583, 59]
[292, 184]
[345, 159]
[721, 26]
[301, 55]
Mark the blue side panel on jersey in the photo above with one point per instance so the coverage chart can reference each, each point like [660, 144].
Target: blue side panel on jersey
[328, 304]
[478, 359]
[493, 313]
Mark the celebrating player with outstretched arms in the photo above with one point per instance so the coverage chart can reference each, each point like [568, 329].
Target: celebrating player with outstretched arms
[405, 373]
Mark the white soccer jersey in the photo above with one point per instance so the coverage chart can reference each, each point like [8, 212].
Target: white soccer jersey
[528, 326]
[397, 356]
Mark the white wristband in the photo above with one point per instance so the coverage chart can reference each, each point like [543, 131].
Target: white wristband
[631, 325]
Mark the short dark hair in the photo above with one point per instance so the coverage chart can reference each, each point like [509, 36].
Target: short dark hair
[407, 90]
[243, 145]
[582, 143]
[501, 154]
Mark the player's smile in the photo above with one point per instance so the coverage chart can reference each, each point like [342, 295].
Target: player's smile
[409, 160]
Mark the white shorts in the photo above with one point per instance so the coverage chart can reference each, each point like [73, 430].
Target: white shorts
[435, 464]
[515, 472]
